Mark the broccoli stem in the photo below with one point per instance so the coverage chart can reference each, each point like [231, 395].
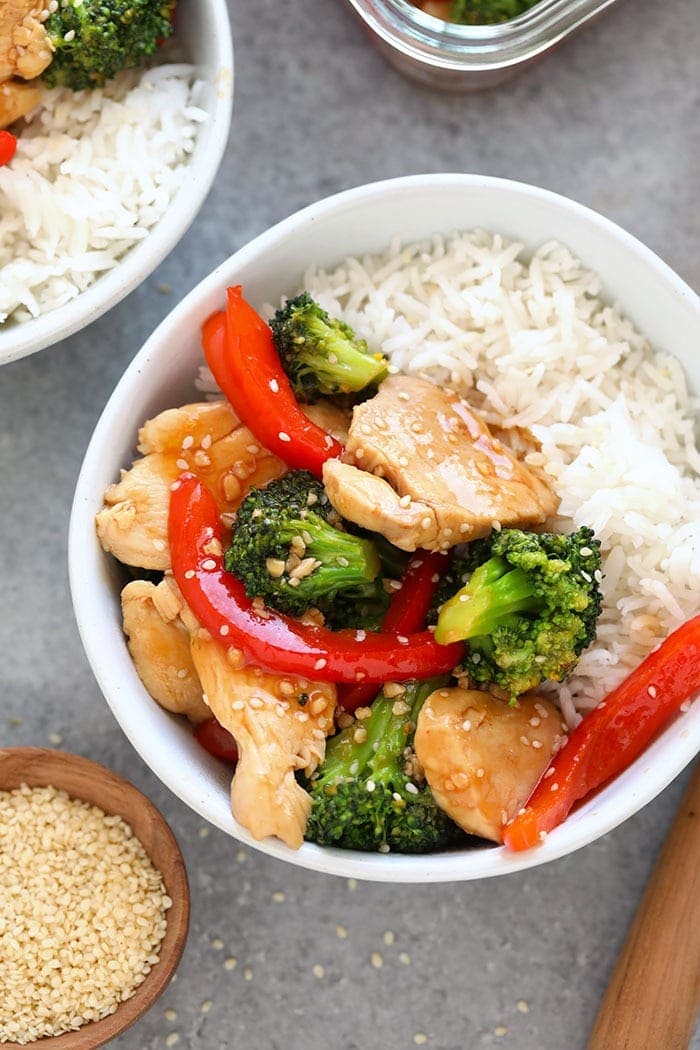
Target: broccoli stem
[344, 364]
[494, 593]
[345, 560]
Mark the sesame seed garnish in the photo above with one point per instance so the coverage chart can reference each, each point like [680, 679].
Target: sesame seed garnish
[586, 552]
[404, 958]
[388, 937]
[252, 449]
[466, 725]
[426, 522]
[384, 848]
[411, 788]
[274, 386]
[500, 1030]
[542, 836]
[370, 786]
[341, 932]
[405, 501]
[182, 464]
[480, 773]
[173, 1039]
[283, 436]
[652, 691]
[237, 705]
[376, 960]
[320, 664]
[203, 832]
[464, 528]
[402, 639]
[685, 706]
[279, 897]
[522, 1007]
[360, 636]
[318, 972]
[159, 545]
[170, 1015]
[420, 1038]
[206, 1006]
[224, 629]
[175, 486]
[55, 739]
[352, 884]
[241, 856]
[537, 744]
[587, 576]
[217, 944]
[524, 741]
[360, 735]
[248, 974]
[231, 963]
[209, 564]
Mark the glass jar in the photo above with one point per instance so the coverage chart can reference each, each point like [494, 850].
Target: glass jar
[469, 57]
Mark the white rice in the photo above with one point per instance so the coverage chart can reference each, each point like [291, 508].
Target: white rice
[530, 342]
[94, 171]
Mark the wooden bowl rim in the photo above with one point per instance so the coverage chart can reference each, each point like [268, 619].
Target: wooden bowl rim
[96, 1033]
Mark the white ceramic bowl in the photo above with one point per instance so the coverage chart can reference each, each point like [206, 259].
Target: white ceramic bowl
[160, 376]
[204, 31]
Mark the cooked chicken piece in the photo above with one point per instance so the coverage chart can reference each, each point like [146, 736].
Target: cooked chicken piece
[206, 439]
[25, 49]
[424, 470]
[276, 735]
[159, 644]
[331, 418]
[17, 99]
[483, 758]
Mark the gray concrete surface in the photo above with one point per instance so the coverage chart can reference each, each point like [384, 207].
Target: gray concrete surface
[610, 120]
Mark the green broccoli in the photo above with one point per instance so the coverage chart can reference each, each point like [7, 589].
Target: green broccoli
[487, 12]
[93, 40]
[289, 549]
[321, 355]
[529, 609]
[364, 798]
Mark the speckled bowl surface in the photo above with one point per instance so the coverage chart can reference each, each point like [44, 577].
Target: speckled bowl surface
[355, 222]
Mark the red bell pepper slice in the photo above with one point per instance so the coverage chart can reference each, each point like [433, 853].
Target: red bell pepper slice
[406, 613]
[216, 740]
[270, 640]
[240, 352]
[8, 147]
[612, 735]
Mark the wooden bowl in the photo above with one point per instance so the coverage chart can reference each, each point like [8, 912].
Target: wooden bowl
[90, 782]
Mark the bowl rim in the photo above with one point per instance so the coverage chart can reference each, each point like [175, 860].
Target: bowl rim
[439, 867]
[139, 262]
[97, 1033]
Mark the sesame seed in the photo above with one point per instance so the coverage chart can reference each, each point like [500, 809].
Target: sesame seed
[360, 735]
[405, 501]
[500, 1030]
[426, 522]
[402, 639]
[248, 974]
[537, 744]
[360, 635]
[209, 564]
[170, 1015]
[549, 772]
[341, 932]
[173, 1039]
[70, 35]
[685, 706]
[466, 725]
[318, 972]
[376, 960]
[241, 856]
[480, 773]
[204, 832]
[370, 786]
[274, 386]
[524, 741]
[252, 449]
[586, 552]
[404, 958]
[388, 937]
[320, 664]
[182, 464]
[522, 1007]
[420, 1038]
[217, 944]
[224, 629]
[55, 739]
[352, 885]
[283, 436]
[384, 848]
[206, 1006]
[554, 787]
[411, 788]
[542, 836]
[279, 897]
[237, 705]
[652, 691]
[231, 963]
[535, 722]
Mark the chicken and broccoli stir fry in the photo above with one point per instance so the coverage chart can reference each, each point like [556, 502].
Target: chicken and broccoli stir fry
[366, 610]
[76, 44]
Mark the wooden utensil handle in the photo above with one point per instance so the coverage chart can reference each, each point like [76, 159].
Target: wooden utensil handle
[654, 995]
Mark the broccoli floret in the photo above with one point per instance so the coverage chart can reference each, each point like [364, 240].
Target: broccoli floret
[321, 355]
[364, 798]
[529, 609]
[487, 12]
[288, 548]
[94, 39]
